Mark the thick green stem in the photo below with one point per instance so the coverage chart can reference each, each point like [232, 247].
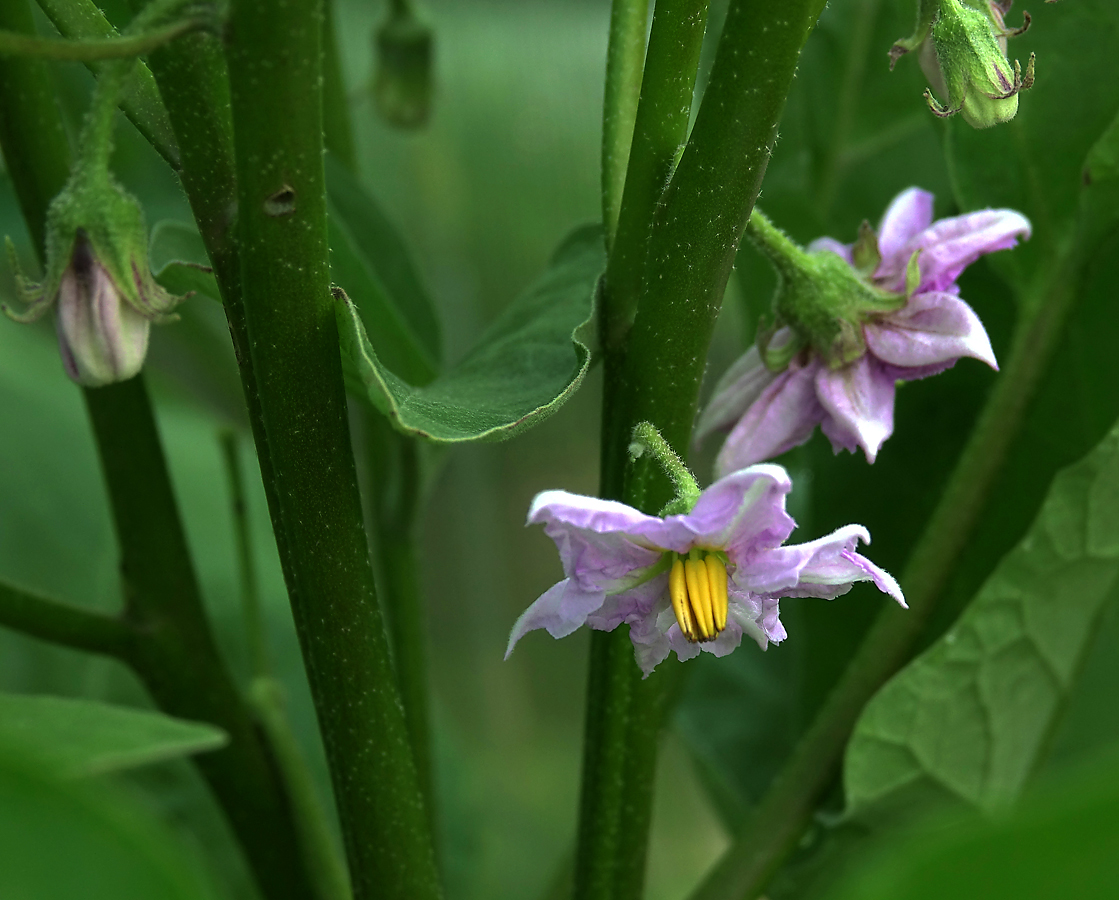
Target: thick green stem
[277, 120]
[775, 826]
[174, 652]
[140, 100]
[655, 376]
[659, 132]
[61, 623]
[625, 59]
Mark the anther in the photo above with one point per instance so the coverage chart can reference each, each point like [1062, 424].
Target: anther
[698, 589]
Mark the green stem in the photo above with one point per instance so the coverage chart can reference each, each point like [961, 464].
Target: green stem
[277, 120]
[61, 623]
[655, 376]
[625, 59]
[174, 652]
[140, 100]
[775, 826]
[659, 132]
[15, 44]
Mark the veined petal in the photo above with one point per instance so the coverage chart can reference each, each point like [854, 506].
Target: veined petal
[951, 245]
[739, 387]
[742, 510]
[908, 214]
[782, 417]
[858, 400]
[932, 329]
[832, 565]
[757, 617]
[560, 610]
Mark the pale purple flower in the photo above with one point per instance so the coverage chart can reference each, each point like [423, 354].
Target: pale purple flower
[617, 561]
[768, 412]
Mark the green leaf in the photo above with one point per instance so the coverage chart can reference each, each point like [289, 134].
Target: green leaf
[526, 365]
[972, 713]
[370, 260]
[80, 839]
[83, 737]
[1061, 842]
[179, 261]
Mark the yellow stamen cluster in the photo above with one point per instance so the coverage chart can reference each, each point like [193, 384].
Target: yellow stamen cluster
[698, 588]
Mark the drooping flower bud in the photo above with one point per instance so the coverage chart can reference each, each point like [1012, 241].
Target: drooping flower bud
[402, 86]
[961, 47]
[99, 278]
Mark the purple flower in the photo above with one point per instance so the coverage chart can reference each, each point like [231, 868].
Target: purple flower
[853, 400]
[690, 582]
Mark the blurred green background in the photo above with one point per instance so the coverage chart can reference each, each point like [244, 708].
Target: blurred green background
[506, 168]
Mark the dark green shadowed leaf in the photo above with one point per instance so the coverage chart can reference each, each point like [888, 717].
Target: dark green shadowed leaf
[81, 840]
[74, 737]
[526, 365]
[370, 260]
[972, 713]
[1061, 842]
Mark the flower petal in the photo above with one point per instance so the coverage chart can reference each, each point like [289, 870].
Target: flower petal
[560, 610]
[951, 245]
[740, 386]
[908, 214]
[600, 542]
[831, 566]
[932, 329]
[757, 616]
[742, 511]
[833, 246]
[858, 400]
[783, 416]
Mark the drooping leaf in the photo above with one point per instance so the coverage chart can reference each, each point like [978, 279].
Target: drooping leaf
[1061, 842]
[526, 365]
[69, 839]
[972, 713]
[74, 737]
[370, 260]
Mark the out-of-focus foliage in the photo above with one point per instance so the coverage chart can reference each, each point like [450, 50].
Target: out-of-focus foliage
[82, 737]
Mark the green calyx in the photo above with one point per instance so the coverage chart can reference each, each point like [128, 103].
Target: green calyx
[962, 49]
[646, 439]
[820, 296]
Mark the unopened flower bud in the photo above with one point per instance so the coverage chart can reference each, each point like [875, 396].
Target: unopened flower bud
[402, 86]
[99, 278]
[962, 50]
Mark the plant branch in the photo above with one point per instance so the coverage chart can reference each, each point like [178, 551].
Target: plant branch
[625, 59]
[15, 44]
[775, 826]
[80, 20]
[277, 119]
[654, 376]
[61, 623]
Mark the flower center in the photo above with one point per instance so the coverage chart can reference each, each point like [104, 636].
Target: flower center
[698, 588]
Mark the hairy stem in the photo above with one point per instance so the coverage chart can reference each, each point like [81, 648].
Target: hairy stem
[277, 121]
[82, 20]
[775, 826]
[654, 376]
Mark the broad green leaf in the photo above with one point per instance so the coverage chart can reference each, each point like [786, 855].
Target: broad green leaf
[973, 712]
[1062, 841]
[526, 365]
[75, 737]
[179, 261]
[370, 260]
[82, 840]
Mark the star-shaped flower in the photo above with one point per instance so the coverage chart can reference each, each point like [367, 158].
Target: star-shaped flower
[912, 258]
[693, 581]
